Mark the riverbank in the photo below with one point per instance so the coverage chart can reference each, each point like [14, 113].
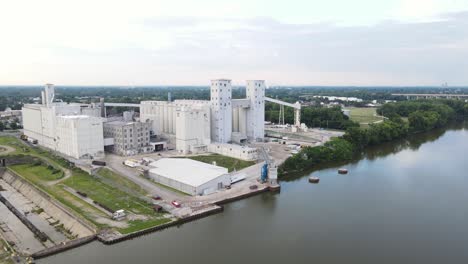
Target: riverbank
[426, 116]
[377, 213]
[50, 185]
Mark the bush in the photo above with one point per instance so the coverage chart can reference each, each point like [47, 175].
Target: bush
[337, 149]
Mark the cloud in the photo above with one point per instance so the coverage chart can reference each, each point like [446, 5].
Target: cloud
[146, 44]
[419, 53]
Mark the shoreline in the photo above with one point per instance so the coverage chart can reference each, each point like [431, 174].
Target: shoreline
[360, 153]
[107, 239]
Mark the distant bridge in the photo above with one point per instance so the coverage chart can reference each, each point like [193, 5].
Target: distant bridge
[427, 96]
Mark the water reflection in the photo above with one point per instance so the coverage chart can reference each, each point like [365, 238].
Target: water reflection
[406, 207]
[413, 142]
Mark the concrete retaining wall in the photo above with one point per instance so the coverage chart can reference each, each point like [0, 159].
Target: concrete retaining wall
[182, 221]
[161, 227]
[243, 196]
[61, 248]
[38, 233]
[71, 222]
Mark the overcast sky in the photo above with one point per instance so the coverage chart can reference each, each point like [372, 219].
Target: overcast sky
[286, 42]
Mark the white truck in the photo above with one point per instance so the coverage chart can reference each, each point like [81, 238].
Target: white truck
[131, 163]
[119, 215]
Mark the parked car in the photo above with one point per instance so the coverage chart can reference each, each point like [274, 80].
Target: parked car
[176, 204]
[156, 197]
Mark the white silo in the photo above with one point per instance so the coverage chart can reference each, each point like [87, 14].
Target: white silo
[221, 107]
[255, 91]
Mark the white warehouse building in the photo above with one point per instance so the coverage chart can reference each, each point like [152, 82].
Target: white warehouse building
[189, 176]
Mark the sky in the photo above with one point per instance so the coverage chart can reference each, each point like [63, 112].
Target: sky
[294, 42]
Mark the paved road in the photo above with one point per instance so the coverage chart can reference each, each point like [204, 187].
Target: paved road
[114, 162]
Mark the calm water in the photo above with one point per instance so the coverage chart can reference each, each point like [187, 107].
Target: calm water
[405, 202]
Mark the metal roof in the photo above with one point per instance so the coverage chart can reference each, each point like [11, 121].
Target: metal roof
[187, 171]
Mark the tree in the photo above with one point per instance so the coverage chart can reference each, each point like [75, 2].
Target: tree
[14, 125]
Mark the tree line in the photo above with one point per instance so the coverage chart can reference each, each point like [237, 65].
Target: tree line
[326, 117]
[403, 118]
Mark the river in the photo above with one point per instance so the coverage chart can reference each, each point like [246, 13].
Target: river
[403, 202]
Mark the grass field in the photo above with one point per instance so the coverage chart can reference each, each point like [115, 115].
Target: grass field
[12, 142]
[79, 206]
[137, 225]
[116, 199]
[364, 115]
[223, 161]
[121, 181]
[37, 173]
[4, 254]
[109, 195]
[21, 148]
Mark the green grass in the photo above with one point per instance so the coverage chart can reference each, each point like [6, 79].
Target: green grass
[223, 161]
[81, 207]
[120, 180]
[96, 189]
[137, 225]
[364, 114]
[107, 195]
[24, 149]
[4, 255]
[12, 142]
[36, 173]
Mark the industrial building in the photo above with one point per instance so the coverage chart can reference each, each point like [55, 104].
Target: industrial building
[194, 133]
[194, 124]
[62, 127]
[127, 138]
[76, 136]
[234, 151]
[189, 176]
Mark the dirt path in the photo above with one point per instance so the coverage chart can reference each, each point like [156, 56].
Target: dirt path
[6, 149]
[67, 174]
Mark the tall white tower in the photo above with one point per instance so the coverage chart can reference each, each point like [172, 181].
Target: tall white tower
[48, 95]
[255, 91]
[221, 107]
